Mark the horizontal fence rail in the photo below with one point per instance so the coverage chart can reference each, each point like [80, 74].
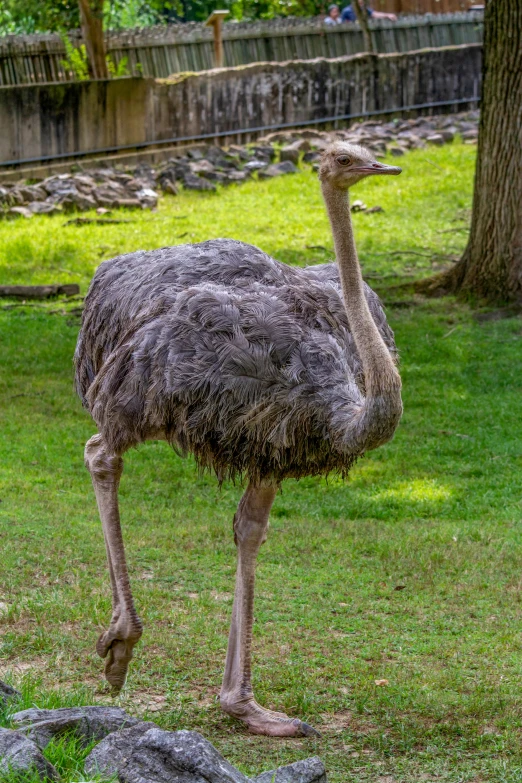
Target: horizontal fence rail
[55, 121]
[162, 51]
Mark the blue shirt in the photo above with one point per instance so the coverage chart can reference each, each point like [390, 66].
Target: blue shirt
[348, 14]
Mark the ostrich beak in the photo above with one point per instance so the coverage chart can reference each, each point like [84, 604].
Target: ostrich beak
[378, 168]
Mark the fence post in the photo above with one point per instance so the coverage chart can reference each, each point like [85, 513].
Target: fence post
[215, 20]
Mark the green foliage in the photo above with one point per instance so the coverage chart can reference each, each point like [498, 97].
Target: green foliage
[76, 61]
[38, 16]
[32, 16]
[119, 70]
[409, 572]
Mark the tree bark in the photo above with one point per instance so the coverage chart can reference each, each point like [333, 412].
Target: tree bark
[491, 266]
[359, 6]
[91, 16]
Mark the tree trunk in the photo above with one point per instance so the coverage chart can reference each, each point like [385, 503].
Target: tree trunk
[491, 266]
[91, 16]
[359, 6]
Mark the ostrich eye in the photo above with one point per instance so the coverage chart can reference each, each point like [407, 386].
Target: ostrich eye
[344, 160]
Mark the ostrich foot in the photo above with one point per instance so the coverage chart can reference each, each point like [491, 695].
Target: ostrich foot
[262, 721]
[116, 644]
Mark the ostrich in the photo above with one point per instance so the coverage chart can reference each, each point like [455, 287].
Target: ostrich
[259, 369]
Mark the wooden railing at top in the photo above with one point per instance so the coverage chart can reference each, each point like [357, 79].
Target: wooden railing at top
[161, 51]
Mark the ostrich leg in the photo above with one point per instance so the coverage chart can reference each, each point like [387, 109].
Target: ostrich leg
[237, 696]
[125, 627]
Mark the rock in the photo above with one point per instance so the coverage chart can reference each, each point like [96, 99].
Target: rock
[196, 153]
[20, 212]
[19, 754]
[103, 211]
[448, 134]
[397, 151]
[290, 153]
[87, 723]
[170, 187]
[8, 693]
[435, 138]
[201, 167]
[111, 755]
[159, 756]
[311, 157]
[147, 197]
[276, 169]
[254, 165]
[237, 151]
[308, 771]
[235, 176]
[470, 134]
[83, 201]
[191, 182]
[44, 208]
[32, 193]
[216, 176]
[144, 172]
[264, 151]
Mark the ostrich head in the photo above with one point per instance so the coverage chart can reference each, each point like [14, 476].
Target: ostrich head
[343, 164]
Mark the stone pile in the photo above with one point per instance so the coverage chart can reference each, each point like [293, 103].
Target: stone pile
[130, 750]
[203, 168]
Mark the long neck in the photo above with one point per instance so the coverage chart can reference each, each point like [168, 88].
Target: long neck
[380, 373]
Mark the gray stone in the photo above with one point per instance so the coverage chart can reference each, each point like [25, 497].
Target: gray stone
[191, 182]
[311, 157]
[448, 134]
[129, 203]
[8, 693]
[264, 151]
[292, 151]
[32, 193]
[276, 169]
[110, 756]
[308, 771]
[20, 212]
[435, 138]
[147, 197]
[235, 176]
[83, 201]
[87, 723]
[168, 186]
[254, 165]
[44, 208]
[159, 756]
[397, 151]
[201, 167]
[472, 133]
[216, 176]
[19, 754]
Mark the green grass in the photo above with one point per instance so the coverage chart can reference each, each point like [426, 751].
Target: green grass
[408, 572]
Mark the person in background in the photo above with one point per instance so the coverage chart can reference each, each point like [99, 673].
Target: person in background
[348, 14]
[334, 15]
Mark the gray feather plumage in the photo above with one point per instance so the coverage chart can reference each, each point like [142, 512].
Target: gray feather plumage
[227, 353]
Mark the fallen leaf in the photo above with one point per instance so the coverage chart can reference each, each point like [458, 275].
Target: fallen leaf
[382, 682]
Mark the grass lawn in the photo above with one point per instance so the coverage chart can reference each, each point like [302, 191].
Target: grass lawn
[408, 573]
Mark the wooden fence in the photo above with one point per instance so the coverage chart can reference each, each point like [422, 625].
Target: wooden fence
[50, 121]
[161, 51]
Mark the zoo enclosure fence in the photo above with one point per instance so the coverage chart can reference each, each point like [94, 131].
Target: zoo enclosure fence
[162, 51]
